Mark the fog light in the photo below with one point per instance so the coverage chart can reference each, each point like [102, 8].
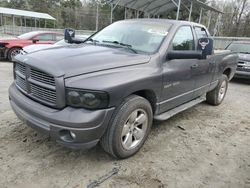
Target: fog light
[73, 135]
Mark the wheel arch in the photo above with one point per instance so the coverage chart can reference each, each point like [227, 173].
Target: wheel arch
[149, 95]
[7, 51]
[228, 73]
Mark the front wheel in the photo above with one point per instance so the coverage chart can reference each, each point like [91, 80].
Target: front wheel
[12, 53]
[217, 95]
[129, 127]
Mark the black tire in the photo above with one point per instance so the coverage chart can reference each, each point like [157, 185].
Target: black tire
[11, 53]
[112, 141]
[215, 97]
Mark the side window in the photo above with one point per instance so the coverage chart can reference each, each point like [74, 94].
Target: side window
[44, 37]
[200, 32]
[183, 39]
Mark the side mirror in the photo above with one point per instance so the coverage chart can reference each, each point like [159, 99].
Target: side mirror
[69, 35]
[35, 40]
[182, 54]
[205, 45]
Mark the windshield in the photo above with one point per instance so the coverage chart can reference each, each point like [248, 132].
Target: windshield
[137, 35]
[27, 36]
[239, 47]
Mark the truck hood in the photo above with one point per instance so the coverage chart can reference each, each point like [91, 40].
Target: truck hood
[78, 59]
[37, 47]
[244, 57]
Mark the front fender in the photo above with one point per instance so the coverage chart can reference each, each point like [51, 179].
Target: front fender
[120, 82]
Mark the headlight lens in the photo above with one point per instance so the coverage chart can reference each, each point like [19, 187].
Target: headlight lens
[86, 99]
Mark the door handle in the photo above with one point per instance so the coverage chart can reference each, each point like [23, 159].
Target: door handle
[194, 66]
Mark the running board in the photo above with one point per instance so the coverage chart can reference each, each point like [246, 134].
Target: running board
[170, 113]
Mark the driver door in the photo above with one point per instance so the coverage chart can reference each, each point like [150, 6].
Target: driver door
[178, 80]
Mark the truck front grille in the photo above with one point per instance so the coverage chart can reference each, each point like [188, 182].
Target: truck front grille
[21, 82]
[42, 77]
[21, 68]
[38, 85]
[43, 93]
[243, 66]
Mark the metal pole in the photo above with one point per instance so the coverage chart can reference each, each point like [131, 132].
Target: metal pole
[13, 24]
[21, 21]
[54, 24]
[216, 25]
[1, 19]
[137, 13]
[35, 22]
[45, 24]
[125, 13]
[25, 21]
[209, 20]
[4, 24]
[97, 18]
[178, 10]
[200, 15]
[111, 14]
[190, 11]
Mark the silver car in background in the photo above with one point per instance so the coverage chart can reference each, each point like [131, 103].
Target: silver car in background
[37, 47]
[243, 66]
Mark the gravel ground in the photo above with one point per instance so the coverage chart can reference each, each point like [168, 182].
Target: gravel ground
[205, 146]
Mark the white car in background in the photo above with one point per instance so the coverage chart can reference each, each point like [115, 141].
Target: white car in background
[37, 47]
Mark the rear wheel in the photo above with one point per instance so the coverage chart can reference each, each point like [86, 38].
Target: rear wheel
[216, 96]
[129, 127]
[13, 52]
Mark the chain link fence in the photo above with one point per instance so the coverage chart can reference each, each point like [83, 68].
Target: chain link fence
[18, 30]
[221, 43]
[9, 30]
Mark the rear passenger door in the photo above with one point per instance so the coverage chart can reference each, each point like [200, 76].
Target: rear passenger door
[204, 71]
[178, 81]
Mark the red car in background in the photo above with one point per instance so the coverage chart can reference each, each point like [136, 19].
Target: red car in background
[11, 47]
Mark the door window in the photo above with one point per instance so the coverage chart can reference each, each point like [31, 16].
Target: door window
[183, 39]
[44, 37]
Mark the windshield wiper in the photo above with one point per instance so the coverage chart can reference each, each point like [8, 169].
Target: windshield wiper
[127, 46]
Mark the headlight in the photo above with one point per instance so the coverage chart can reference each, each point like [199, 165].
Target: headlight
[86, 99]
[3, 44]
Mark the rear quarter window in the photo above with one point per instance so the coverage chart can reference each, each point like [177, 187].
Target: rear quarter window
[58, 37]
[200, 32]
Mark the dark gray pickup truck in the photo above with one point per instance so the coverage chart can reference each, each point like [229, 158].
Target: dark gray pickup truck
[109, 88]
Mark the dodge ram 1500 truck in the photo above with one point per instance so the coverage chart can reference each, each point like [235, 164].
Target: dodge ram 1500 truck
[109, 88]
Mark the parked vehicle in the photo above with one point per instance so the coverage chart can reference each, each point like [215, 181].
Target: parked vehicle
[11, 47]
[110, 88]
[243, 49]
[37, 47]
